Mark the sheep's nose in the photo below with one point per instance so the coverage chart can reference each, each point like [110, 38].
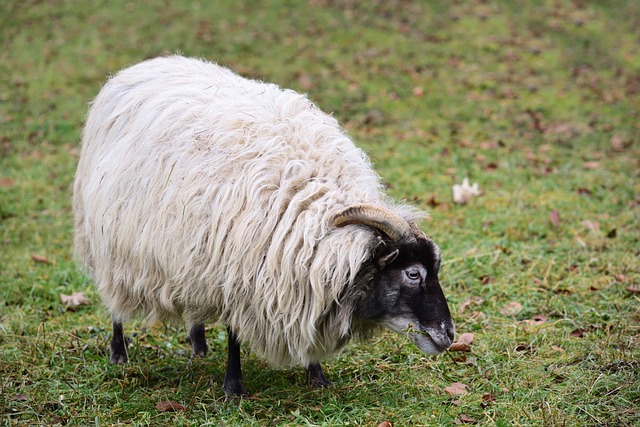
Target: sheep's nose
[451, 331]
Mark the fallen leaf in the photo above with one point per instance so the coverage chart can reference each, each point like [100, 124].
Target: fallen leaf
[578, 333]
[460, 346]
[621, 277]
[556, 348]
[21, 397]
[456, 389]
[305, 82]
[537, 320]
[433, 202]
[554, 217]
[617, 142]
[74, 300]
[488, 398]
[592, 165]
[634, 289]
[373, 117]
[491, 166]
[536, 122]
[466, 338]
[511, 308]
[471, 301]
[489, 145]
[485, 280]
[169, 406]
[459, 359]
[40, 259]
[591, 225]
[6, 182]
[385, 424]
[467, 419]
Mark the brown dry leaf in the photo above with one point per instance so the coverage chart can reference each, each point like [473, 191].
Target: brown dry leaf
[74, 300]
[621, 277]
[305, 82]
[591, 165]
[556, 348]
[469, 302]
[459, 359]
[464, 306]
[40, 259]
[466, 338]
[634, 289]
[385, 424]
[467, 419]
[456, 389]
[578, 333]
[554, 217]
[592, 226]
[511, 308]
[6, 182]
[617, 142]
[21, 397]
[491, 166]
[460, 346]
[537, 320]
[485, 280]
[169, 406]
[488, 398]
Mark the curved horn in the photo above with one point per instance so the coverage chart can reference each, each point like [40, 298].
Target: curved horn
[390, 223]
[417, 231]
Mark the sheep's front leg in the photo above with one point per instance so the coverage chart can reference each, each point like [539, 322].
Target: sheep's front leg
[315, 376]
[118, 345]
[233, 385]
[198, 340]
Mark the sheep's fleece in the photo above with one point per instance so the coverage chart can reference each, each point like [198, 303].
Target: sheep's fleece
[203, 195]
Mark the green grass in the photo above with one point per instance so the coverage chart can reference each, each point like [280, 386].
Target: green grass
[538, 102]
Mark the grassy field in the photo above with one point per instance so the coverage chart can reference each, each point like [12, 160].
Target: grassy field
[537, 102]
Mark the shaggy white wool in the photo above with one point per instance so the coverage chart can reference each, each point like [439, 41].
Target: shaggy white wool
[206, 196]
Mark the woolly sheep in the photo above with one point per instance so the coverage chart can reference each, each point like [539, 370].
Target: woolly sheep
[204, 196]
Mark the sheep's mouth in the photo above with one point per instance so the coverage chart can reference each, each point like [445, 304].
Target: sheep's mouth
[424, 341]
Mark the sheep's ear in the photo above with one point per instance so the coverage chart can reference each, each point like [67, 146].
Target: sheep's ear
[387, 259]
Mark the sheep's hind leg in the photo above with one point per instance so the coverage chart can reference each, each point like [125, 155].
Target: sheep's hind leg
[118, 345]
[233, 385]
[198, 340]
[315, 376]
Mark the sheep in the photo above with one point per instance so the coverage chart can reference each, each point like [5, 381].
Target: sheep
[204, 196]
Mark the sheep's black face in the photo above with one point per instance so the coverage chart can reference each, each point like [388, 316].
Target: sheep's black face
[407, 298]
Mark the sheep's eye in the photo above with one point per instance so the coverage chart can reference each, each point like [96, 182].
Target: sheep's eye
[413, 275]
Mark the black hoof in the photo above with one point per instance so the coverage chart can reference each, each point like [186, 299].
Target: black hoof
[316, 378]
[118, 359]
[234, 389]
[198, 340]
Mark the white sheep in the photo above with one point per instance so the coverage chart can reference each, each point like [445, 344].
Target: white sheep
[203, 195]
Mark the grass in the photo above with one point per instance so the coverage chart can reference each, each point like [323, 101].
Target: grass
[538, 102]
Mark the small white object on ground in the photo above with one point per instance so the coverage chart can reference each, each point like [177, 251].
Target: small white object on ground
[462, 193]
